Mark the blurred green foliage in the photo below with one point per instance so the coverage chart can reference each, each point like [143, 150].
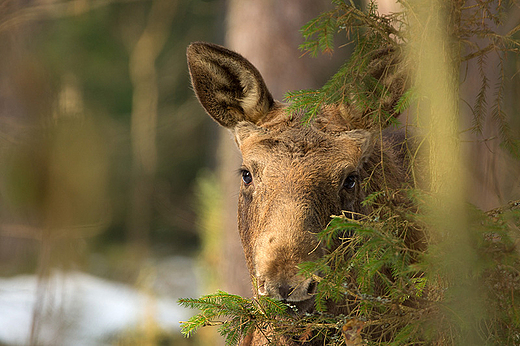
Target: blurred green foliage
[88, 52]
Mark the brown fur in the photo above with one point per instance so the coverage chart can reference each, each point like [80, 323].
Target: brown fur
[298, 170]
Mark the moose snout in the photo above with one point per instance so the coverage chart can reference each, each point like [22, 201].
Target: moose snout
[284, 241]
[277, 272]
[298, 290]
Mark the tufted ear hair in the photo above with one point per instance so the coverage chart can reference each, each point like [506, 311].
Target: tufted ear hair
[227, 85]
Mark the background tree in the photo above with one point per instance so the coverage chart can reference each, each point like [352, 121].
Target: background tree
[143, 130]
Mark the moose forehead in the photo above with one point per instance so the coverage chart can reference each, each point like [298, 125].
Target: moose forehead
[301, 149]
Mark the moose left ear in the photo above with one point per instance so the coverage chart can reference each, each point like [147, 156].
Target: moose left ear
[227, 85]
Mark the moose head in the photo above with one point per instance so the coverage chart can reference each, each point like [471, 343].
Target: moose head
[295, 175]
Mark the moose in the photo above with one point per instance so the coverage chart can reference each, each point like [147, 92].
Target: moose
[295, 175]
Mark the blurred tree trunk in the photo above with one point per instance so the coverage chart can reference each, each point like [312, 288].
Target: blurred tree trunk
[266, 33]
[143, 75]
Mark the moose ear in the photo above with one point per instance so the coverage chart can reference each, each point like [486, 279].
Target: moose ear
[227, 85]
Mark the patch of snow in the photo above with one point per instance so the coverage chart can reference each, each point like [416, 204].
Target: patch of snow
[75, 308]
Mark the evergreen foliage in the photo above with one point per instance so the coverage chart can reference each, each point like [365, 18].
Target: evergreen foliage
[397, 293]
[396, 288]
[244, 315]
[353, 82]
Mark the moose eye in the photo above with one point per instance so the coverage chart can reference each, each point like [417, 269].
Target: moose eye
[247, 178]
[350, 182]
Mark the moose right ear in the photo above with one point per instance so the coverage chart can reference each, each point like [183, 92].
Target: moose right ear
[227, 85]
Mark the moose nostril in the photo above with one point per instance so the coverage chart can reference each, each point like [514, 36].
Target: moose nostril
[262, 290]
[312, 288]
[285, 291]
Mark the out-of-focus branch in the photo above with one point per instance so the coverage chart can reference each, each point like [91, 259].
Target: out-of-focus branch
[512, 205]
[23, 231]
[51, 10]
